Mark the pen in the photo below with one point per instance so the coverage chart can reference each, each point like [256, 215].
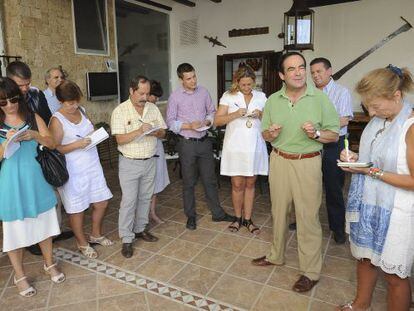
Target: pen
[346, 143]
[80, 136]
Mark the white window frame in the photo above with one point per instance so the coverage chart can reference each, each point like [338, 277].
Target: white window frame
[88, 51]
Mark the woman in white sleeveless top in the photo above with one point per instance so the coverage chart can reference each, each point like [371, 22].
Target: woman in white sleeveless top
[86, 184]
[380, 209]
[244, 154]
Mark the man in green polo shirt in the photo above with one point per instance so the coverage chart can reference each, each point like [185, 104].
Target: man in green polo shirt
[297, 120]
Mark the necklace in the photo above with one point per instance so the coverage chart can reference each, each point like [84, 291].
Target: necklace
[249, 122]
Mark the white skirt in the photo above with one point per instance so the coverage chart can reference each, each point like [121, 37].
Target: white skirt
[161, 172]
[83, 189]
[29, 231]
[398, 253]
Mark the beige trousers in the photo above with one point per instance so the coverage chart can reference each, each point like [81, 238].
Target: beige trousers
[297, 182]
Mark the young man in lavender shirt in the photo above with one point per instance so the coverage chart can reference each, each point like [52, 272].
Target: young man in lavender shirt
[190, 108]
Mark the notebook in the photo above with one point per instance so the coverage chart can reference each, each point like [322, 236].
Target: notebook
[12, 145]
[97, 137]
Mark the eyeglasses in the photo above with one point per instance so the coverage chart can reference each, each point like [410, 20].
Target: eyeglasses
[12, 100]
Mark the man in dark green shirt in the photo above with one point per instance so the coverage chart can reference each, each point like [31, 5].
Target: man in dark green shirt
[297, 120]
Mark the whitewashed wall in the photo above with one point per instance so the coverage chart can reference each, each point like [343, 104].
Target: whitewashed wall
[342, 33]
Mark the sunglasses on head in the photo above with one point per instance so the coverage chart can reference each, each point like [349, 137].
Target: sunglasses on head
[12, 100]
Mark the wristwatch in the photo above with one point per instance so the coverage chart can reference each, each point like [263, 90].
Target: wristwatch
[317, 134]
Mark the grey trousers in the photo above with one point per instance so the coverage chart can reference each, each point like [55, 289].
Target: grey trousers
[196, 159]
[136, 178]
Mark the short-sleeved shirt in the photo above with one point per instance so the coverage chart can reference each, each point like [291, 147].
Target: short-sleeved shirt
[126, 119]
[341, 98]
[52, 101]
[313, 106]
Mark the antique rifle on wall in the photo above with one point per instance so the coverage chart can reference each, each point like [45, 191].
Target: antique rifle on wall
[407, 26]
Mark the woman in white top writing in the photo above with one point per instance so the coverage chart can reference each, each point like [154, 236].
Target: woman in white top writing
[86, 185]
[244, 153]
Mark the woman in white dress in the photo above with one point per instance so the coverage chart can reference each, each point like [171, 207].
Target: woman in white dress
[380, 210]
[86, 184]
[162, 179]
[244, 154]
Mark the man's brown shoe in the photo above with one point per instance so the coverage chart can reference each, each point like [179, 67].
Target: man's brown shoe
[262, 262]
[304, 284]
[146, 236]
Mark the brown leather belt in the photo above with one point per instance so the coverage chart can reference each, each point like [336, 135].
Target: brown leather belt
[296, 156]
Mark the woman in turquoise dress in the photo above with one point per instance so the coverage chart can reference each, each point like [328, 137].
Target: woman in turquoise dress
[27, 201]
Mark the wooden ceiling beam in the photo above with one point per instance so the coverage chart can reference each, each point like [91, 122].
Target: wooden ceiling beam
[155, 4]
[186, 2]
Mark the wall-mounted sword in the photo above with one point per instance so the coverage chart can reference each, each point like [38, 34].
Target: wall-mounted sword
[407, 26]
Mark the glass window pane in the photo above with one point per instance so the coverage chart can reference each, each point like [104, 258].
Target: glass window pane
[228, 70]
[90, 26]
[143, 46]
[304, 30]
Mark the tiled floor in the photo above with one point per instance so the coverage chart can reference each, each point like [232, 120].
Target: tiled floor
[206, 269]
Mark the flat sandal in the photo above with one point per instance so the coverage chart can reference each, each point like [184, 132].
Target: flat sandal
[58, 278]
[248, 223]
[348, 306]
[235, 225]
[28, 292]
[102, 240]
[88, 251]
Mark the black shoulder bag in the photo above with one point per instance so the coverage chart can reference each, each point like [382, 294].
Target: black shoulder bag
[52, 162]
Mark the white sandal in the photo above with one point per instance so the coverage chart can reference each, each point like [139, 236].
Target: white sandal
[59, 278]
[102, 240]
[28, 292]
[348, 306]
[88, 251]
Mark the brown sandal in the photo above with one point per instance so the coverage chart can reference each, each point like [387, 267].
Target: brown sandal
[235, 225]
[248, 223]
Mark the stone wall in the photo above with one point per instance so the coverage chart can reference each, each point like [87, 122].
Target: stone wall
[41, 31]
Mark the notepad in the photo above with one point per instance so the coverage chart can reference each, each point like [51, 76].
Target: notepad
[204, 128]
[97, 137]
[354, 164]
[155, 128]
[12, 145]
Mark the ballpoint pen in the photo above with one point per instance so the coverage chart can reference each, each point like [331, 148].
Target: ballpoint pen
[346, 143]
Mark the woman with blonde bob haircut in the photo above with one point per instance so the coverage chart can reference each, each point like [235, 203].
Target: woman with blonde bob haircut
[244, 154]
[380, 211]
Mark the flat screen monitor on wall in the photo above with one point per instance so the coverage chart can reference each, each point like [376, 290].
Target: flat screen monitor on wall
[102, 85]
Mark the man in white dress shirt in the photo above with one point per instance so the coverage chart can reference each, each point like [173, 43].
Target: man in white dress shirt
[333, 176]
[53, 77]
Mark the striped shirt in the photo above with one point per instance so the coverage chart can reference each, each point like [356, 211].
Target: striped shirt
[341, 98]
[186, 107]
